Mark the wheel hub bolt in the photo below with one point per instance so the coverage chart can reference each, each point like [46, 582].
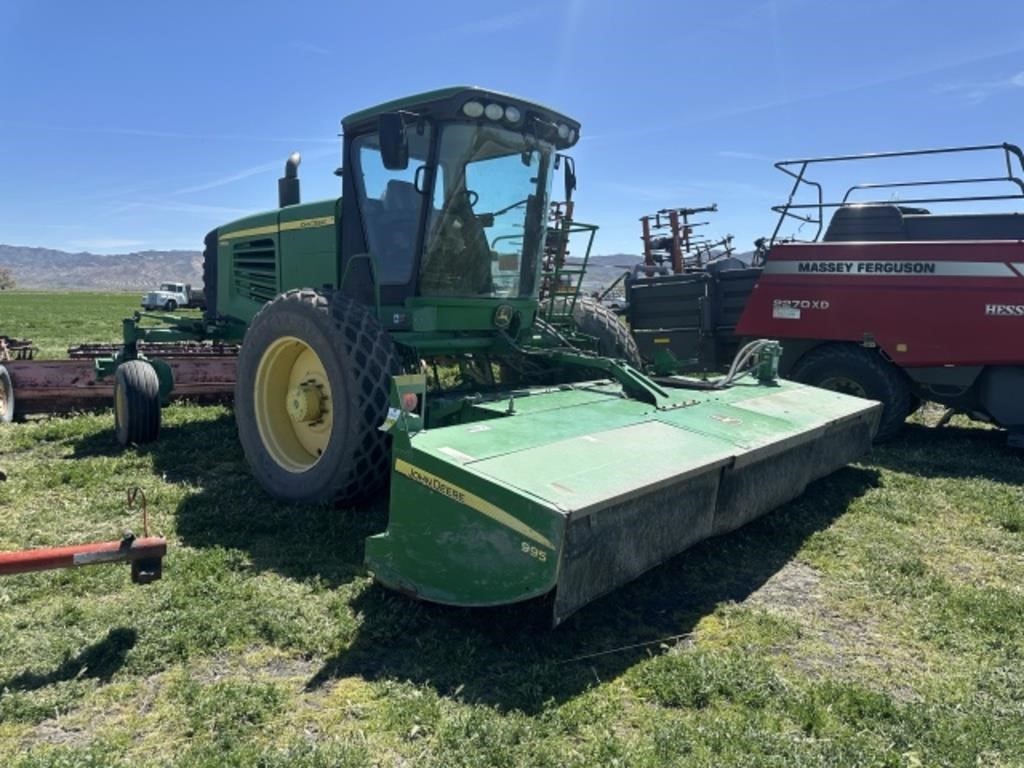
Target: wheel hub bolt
[305, 403]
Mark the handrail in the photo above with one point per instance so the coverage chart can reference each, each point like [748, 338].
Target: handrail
[798, 169]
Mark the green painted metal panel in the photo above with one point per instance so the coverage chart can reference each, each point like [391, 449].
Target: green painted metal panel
[248, 265]
[613, 485]
[602, 466]
[309, 244]
[447, 541]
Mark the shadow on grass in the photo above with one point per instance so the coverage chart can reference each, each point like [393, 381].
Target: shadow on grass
[510, 659]
[185, 450]
[952, 451]
[99, 661]
[231, 510]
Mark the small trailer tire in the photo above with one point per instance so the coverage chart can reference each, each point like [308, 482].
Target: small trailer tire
[136, 403]
[6, 397]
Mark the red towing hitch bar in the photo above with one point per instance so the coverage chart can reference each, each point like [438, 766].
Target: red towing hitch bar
[145, 554]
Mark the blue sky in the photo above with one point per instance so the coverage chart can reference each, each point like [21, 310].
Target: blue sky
[136, 125]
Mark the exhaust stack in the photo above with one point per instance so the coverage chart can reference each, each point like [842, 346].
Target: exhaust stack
[288, 185]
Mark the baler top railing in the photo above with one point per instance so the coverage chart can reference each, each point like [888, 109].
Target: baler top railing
[814, 212]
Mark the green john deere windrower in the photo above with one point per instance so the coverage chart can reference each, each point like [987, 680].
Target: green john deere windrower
[397, 328]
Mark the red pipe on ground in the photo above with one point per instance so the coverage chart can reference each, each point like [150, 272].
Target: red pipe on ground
[145, 555]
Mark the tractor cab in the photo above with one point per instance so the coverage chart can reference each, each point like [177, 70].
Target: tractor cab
[451, 191]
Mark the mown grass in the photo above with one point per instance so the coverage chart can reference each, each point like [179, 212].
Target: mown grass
[877, 620]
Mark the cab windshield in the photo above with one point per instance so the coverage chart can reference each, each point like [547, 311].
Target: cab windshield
[486, 230]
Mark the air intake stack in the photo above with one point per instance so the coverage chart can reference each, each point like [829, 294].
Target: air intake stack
[288, 185]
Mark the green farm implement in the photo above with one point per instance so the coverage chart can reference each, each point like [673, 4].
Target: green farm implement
[426, 326]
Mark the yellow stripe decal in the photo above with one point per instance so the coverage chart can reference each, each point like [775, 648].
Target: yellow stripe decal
[272, 229]
[323, 221]
[436, 484]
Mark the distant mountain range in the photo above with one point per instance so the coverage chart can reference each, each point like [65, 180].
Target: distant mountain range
[48, 269]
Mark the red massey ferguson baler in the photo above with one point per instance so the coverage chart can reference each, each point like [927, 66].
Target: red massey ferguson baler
[892, 301]
[901, 322]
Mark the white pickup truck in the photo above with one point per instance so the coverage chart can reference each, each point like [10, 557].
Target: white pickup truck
[172, 296]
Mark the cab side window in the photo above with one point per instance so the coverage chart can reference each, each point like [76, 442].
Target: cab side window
[391, 205]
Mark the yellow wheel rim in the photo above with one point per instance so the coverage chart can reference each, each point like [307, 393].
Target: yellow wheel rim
[294, 409]
[120, 406]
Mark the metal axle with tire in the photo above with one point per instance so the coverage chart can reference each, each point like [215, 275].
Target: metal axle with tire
[6, 397]
[136, 403]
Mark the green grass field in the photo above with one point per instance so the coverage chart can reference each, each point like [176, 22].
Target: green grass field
[877, 620]
[53, 321]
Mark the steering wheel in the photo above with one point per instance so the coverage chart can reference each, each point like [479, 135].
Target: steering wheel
[460, 254]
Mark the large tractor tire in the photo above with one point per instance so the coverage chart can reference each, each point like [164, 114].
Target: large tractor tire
[6, 397]
[613, 337]
[136, 403]
[861, 372]
[314, 376]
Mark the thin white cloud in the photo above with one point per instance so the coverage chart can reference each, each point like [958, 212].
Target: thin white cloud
[768, 105]
[160, 134]
[736, 154]
[308, 47]
[245, 173]
[179, 207]
[977, 91]
[697, 192]
[498, 23]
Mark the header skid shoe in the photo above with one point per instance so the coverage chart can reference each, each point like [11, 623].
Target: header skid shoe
[580, 490]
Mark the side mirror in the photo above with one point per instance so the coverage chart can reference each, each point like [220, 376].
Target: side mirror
[570, 178]
[394, 146]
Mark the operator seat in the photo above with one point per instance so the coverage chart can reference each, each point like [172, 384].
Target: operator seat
[394, 235]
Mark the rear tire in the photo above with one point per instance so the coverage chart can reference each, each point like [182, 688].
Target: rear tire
[314, 378]
[861, 372]
[136, 403]
[6, 397]
[613, 338]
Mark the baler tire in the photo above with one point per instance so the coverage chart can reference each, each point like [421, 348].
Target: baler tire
[613, 337]
[357, 358]
[6, 397]
[136, 403]
[876, 378]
